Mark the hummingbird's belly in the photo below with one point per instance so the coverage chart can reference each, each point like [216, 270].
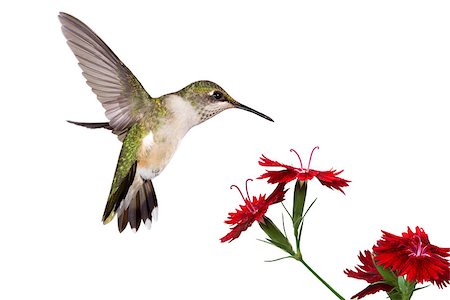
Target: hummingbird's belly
[152, 160]
[159, 145]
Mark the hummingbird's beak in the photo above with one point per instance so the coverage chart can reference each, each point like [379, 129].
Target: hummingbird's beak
[244, 107]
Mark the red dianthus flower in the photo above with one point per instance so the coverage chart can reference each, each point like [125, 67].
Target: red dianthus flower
[413, 255]
[253, 210]
[289, 173]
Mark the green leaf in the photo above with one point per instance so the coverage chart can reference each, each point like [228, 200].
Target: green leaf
[286, 210]
[299, 203]
[276, 237]
[422, 287]
[298, 233]
[277, 259]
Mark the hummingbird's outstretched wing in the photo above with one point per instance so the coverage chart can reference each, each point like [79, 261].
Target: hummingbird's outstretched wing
[118, 90]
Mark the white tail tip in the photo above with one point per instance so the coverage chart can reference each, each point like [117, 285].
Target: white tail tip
[148, 224]
[155, 214]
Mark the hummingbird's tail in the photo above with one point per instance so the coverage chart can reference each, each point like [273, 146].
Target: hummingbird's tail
[143, 207]
[92, 125]
[95, 125]
[133, 202]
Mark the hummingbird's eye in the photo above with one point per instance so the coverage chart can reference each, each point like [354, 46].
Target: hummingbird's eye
[217, 95]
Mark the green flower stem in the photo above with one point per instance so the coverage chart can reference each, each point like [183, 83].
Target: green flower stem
[320, 279]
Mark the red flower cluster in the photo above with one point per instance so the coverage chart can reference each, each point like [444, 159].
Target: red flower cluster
[290, 173]
[413, 255]
[368, 272]
[253, 210]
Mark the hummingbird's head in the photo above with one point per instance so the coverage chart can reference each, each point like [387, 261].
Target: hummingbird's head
[209, 99]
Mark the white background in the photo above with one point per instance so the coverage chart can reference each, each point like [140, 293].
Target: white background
[367, 81]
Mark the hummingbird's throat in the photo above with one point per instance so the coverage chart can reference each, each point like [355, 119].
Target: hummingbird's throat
[213, 109]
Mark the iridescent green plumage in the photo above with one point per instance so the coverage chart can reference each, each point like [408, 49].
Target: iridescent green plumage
[127, 159]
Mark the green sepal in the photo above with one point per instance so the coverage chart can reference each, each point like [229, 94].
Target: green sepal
[405, 287]
[388, 276]
[394, 294]
[299, 203]
[276, 237]
[402, 284]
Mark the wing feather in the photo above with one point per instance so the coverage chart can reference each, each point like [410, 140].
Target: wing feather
[118, 90]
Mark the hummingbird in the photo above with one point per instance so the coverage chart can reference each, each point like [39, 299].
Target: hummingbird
[149, 128]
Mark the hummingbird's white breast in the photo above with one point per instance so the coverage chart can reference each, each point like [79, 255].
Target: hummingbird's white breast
[159, 145]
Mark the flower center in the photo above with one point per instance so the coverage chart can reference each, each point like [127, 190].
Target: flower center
[301, 164]
[246, 200]
[310, 157]
[246, 187]
[235, 186]
[418, 249]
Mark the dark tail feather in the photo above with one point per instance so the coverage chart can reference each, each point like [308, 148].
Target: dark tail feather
[143, 207]
[120, 133]
[134, 213]
[92, 125]
[123, 221]
[116, 198]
